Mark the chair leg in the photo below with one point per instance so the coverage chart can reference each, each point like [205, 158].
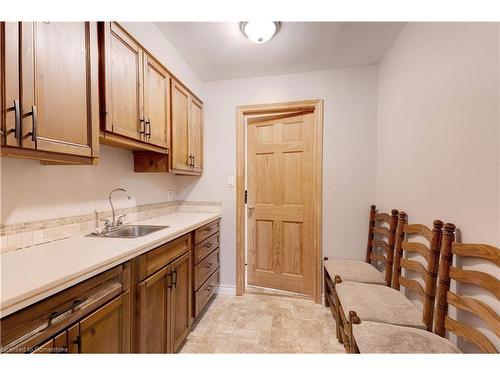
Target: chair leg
[338, 318]
[353, 319]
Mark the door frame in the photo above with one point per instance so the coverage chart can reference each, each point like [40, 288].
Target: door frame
[242, 114]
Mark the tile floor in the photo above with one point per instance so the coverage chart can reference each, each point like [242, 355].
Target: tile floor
[261, 323]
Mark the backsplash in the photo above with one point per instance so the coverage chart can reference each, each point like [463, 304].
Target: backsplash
[18, 236]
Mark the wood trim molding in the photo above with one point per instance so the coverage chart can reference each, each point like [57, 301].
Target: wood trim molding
[242, 114]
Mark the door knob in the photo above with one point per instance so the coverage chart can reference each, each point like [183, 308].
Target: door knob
[251, 207]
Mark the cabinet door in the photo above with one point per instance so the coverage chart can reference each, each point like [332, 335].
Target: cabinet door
[125, 85]
[196, 135]
[181, 299]
[10, 119]
[107, 330]
[156, 102]
[180, 128]
[153, 320]
[59, 86]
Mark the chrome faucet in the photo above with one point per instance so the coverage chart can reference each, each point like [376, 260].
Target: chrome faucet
[114, 222]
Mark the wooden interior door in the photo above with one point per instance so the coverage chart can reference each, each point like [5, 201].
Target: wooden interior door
[156, 102]
[196, 135]
[280, 202]
[125, 84]
[153, 321]
[106, 330]
[10, 120]
[180, 128]
[57, 75]
[181, 300]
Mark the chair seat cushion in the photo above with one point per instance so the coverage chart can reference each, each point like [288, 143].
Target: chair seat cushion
[354, 270]
[377, 303]
[372, 337]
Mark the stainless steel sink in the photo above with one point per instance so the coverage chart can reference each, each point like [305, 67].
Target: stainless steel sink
[130, 231]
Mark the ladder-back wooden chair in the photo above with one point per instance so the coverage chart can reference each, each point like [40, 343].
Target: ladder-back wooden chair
[488, 283]
[377, 303]
[373, 337]
[379, 252]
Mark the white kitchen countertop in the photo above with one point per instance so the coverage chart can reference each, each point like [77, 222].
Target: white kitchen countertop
[34, 273]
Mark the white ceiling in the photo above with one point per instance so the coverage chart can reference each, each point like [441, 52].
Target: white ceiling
[218, 50]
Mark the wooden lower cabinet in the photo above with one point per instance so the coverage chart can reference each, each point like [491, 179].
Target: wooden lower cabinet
[106, 330]
[144, 305]
[153, 313]
[90, 317]
[181, 300]
[164, 305]
[205, 265]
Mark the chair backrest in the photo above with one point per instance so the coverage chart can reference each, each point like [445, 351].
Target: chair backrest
[483, 280]
[428, 272]
[377, 229]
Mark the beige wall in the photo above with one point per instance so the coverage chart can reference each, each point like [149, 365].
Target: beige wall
[439, 133]
[349, 157]
[438, 127]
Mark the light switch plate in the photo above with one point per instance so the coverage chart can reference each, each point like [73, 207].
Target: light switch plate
[230, 181]
[170, 195]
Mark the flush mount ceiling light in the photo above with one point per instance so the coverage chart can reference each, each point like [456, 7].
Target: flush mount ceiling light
[259, 31]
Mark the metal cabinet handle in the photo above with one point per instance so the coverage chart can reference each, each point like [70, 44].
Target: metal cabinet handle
[169, 281]
[56, 316]
[209, 288]
[174, 277]
[78, 343]
[209, 265]
[194, 158]
[148, 128]
[34, 114]
[208, 245]
[17, 121]
[34, 119]
[141, 121]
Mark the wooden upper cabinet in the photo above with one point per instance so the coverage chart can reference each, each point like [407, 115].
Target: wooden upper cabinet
[187, 129]
[196, 135]
[180, 128]
[135, 90]
[57, 85]
[54, 65]
[181, 300]
[124, 105]
[10, 119]
[156, 102]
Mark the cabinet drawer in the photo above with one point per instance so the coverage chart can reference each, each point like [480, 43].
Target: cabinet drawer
[206, 291]
[205, 268]
[206, 231]
[206, 247]
[33, 325]
[158, 258]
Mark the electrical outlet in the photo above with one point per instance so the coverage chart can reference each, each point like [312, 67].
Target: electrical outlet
[230, 181]
[170, 195]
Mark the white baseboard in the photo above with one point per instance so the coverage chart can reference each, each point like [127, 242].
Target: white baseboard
[227, 290]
